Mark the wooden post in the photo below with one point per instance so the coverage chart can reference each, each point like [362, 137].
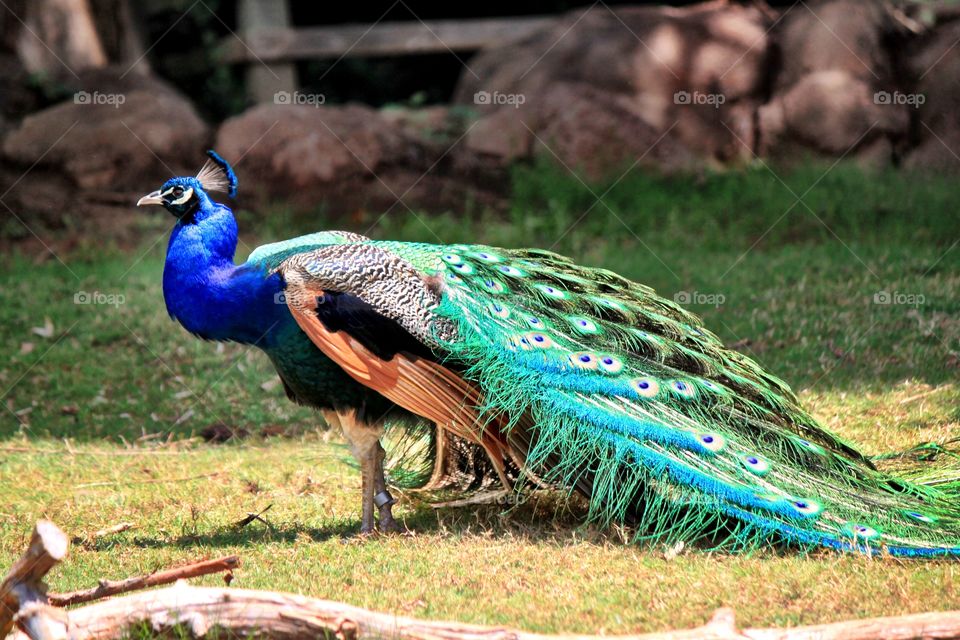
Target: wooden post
[23, 599]
[265, 79]
[382, 39]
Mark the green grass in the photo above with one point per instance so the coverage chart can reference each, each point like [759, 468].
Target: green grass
[102, 416]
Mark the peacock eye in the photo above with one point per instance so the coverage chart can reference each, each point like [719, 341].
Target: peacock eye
[177, 192]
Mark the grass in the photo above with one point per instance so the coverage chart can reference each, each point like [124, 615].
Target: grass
[104, 410]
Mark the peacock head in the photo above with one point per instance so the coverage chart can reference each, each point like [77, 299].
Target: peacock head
[184, 196]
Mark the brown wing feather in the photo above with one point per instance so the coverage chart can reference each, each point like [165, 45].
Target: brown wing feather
[420, 386]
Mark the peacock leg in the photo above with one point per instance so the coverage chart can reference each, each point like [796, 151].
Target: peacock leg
[364, 440]
[382, 497]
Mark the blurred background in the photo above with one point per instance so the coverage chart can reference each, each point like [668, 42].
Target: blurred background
[786, 169]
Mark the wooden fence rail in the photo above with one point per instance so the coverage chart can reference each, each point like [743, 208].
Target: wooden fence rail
[381, 39]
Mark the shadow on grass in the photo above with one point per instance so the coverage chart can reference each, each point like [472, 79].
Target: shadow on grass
[548, 517]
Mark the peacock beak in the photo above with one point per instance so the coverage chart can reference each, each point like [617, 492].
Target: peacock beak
[150, 198]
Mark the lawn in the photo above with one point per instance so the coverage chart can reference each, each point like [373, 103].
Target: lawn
[849, 294]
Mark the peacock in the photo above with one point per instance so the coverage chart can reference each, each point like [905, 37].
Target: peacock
[562, 375]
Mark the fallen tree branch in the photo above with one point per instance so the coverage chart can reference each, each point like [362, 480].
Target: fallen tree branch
[108, 588]
[22, 593]
[209, 612]
[213, 612]
[103, 533]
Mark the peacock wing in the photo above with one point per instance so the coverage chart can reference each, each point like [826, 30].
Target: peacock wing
[368, 310]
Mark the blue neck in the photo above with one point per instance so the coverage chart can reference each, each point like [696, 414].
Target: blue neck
[211, 296]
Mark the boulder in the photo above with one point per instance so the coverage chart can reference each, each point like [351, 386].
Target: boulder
[832, 113]
[837, 35]
[626, 77]
[111, 142]
[344, 158]
[88, 159]
[834, 94]
[935, 63]
[594, 133]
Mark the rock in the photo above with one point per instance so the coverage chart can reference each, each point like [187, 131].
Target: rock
[346, 158]
[502, 134]
[830, 112]
[111, 141]
[435, 122]
[88, 158]
[838, 35]
[830, 93]
[595, 132]
[935, 63]
[693, 75]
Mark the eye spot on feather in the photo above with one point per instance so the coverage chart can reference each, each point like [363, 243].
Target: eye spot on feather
[552, 292]
[609, 364]
[498, 310]
[452, 277]
[538, 340]
[646, 337]
[860, 531]
[916, 515]
[711, 386]
[521, 343]
[755, 464]
[487, 256]
[452, 259]
[807, 507]
[464, 267]
[809, 446]
[609, 303]
[512, 271]
[534, 321]
[646, 387]
[684, 389]
[712, 441]
[494, 286]
[584, 360]
[584, 325]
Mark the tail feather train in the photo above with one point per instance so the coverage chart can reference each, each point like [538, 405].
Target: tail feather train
[595, 383]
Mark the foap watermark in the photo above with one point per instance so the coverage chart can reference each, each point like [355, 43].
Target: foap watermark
[699, 98]
[298, 97]
[280, 297]
[497, 98]
[699, 297]
[899, 298]
[112, 99]
[99, 298]
[899, 98]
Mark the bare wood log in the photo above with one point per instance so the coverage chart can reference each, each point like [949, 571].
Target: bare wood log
[264, 614]
[108, 588]
[383, 39]
[22, 593]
